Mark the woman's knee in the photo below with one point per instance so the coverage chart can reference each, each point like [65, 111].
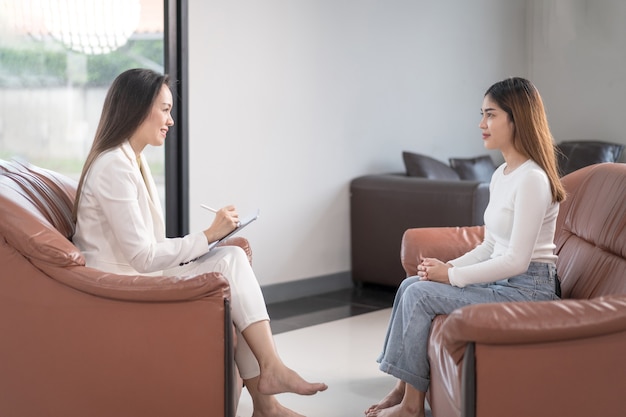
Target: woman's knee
[236, 253]
[407, 282]
[418, 290]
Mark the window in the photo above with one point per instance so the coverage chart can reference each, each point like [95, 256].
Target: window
[57, 60]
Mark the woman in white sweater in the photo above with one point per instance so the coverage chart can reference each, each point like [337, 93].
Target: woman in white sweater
[516, 260]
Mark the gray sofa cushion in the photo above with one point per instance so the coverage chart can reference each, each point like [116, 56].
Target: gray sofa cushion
[480, 168]
[418, 165]
[573, 155]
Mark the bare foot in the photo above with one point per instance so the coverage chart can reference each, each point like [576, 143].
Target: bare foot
[398, 411]
[283, 379]
[266, 405]
[276, 410]
[393, 398]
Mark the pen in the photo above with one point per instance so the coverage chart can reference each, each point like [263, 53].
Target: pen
[211, 209]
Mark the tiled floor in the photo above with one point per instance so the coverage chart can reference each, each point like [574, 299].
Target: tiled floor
[303, 312]
[333, 338]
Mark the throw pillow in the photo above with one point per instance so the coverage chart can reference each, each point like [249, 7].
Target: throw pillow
[480, 168]
[418, 165]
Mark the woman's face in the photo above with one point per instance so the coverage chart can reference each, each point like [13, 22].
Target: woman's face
[497, 129]
[154, 129]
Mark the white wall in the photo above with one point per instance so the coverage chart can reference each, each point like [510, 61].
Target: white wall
[290, 100]
[578, 63]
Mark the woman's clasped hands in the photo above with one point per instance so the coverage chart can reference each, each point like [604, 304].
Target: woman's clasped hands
[431, 269]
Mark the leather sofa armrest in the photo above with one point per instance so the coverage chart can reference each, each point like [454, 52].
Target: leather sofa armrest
[443, 243]
[240, 241]
[139, 287]
[144, 287]
[533, 322]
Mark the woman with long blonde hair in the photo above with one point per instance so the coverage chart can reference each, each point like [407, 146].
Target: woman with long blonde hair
[516, 260]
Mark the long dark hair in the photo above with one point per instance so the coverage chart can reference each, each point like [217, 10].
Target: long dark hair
[127, 104]
[520, 99]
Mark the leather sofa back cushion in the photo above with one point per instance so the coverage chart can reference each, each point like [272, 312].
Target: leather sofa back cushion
[480, 168]
[35, 207]
[422, 166]
[591, 237]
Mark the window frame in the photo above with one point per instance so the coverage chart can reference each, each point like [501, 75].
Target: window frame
[177, 145]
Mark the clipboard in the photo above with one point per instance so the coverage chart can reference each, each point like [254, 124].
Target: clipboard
[243, 223]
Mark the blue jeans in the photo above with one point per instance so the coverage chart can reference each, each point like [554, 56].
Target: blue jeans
[405, 350]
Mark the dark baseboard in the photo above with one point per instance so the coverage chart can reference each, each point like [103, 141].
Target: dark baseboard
[276, 293]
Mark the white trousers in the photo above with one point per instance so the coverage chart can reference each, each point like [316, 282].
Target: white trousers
[246, 299]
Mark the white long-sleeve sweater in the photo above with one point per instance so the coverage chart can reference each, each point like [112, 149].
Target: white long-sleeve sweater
[520, 222]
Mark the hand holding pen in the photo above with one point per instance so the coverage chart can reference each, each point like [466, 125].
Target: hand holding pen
[234, 215]
[226, 220]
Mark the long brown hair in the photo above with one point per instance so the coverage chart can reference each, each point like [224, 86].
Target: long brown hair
[520, 99]
[127, 104]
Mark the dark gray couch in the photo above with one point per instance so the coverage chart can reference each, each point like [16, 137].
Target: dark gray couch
[383, 206]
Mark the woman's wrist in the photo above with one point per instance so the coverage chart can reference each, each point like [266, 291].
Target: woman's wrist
[210, 237]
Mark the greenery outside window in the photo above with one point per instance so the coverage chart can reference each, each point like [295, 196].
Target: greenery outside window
[56, 64]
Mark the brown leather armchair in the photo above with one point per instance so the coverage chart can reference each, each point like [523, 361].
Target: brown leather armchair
[80, 342]
[555, 358]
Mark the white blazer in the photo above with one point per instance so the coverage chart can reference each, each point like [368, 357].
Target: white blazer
[119, 227]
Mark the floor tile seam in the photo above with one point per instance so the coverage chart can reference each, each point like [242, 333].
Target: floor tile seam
[299, 327]
[368, 307]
